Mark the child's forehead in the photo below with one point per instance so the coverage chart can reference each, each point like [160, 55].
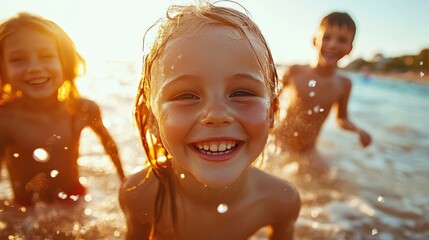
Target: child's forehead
[29, 36]
[336, 27]
[217, 36]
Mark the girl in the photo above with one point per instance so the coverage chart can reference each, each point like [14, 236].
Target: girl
[41, 121]
[206, 101]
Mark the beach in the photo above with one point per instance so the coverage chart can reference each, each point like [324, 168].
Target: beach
[375, 193]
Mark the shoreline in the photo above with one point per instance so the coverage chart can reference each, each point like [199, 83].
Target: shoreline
[411, 77]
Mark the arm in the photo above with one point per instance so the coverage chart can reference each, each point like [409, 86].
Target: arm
[342, 116]
[133, 200]
[283, 227]
[2, 145]
[106, 139]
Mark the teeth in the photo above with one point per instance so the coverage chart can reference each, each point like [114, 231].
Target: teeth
[222, 147]
[214, 148]
[38, 80]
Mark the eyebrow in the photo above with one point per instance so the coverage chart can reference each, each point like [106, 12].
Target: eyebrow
[253, 77]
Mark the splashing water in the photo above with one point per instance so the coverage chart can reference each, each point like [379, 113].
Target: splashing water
[41, 155]
[54, 173]
[312, 83]
[222, 208]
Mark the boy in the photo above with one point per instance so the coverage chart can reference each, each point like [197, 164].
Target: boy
[314, 90]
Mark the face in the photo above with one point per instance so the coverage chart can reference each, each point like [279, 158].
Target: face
[32, 64]
[212, 105]
[333, 43]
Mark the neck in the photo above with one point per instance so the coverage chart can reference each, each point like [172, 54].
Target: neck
[191, 188]
[41, 105]
[324, 70]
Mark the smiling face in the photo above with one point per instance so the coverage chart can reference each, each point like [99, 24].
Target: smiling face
[212, 105]
[333, 42]
[32, 64]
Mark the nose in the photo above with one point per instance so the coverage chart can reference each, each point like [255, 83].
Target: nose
[33, 65]
[216, 114]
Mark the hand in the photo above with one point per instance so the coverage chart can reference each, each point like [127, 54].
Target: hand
[364, 137]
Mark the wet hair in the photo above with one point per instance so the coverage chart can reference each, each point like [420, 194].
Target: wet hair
[183, 21]
[339, 19]
[72, 62]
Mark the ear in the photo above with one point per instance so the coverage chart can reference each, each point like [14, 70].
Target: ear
[273, 111]
[350, 48]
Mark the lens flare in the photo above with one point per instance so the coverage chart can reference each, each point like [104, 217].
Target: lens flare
[41, 155]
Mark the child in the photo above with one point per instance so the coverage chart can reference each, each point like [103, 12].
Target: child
[40, 127]
[313, 90]
[206, 102]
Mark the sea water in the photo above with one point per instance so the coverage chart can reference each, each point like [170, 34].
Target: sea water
[379, 192]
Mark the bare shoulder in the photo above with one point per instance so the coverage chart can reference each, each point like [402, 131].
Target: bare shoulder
[293, 73]
[137, 193]
[9, 111]
[296, 69]
[87, 106]
[282, 196]
[345, 81]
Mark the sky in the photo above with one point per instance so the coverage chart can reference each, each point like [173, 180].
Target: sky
[113, 29]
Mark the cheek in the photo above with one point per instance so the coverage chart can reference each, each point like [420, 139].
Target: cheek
[174, 124]
[255, 120]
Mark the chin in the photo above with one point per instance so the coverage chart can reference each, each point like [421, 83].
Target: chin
[218, 181]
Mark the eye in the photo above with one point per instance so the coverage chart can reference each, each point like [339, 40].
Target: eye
[47, 56]
[185, 96]
[15, 59]
[242, 93]
[326, 38]
[342, 40]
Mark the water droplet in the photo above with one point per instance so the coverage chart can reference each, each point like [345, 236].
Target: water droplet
[54, 173]
[380, 199]
[312, 83]
[321, 110]
[172, 67]
[3, 225]
[182, 176]
[66, 148]
[222, 208]
[88, 198]
[58, 137]
[62, 195]
[87, 211]
[422, 74]
[421, 63]
[312, 94]
[41, 155]
[315, 225]
[82, 180]
[295, 134]
[116, 233]
[16, 155]
[74, 197]
[309, 112]
[374, 231]
[316, 108]
[180, 56]
[23, 209]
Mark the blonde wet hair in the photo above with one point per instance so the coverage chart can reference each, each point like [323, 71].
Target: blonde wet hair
[72, 62]
[183, 21]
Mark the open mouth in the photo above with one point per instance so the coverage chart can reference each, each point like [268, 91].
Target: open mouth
[218, 149]
[37, 81]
